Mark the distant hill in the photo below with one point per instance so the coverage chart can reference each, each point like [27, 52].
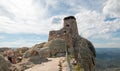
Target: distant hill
[108, 59]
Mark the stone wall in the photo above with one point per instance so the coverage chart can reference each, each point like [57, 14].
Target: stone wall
[69, 32]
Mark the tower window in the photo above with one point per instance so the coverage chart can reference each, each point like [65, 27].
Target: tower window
[67, 25]
[64, 32]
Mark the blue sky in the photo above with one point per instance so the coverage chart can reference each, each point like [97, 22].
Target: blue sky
[28, 22]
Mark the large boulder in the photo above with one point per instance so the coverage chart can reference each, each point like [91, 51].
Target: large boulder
[56, 47]
[53, 48]
[4, 65]
[36, 54]
[35, 50]
[85, 54]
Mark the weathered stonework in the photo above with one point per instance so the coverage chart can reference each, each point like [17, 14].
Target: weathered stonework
[83, 49]
[69, 32]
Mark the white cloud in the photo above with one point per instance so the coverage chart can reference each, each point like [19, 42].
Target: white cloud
[34, 16]
[91, 24]
[28, 17]
[112, 8]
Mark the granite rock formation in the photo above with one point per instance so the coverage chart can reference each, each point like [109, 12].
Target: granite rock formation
[82, 49]
[4, 65]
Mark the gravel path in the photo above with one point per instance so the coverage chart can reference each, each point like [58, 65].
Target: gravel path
[51, 65]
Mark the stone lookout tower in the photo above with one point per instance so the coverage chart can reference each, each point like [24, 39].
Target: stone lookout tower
[69, 32]
[83, 50]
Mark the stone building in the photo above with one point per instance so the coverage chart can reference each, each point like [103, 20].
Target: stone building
[83, 50]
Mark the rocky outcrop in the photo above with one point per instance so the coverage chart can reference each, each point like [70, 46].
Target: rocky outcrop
[3, 49]
[82, 49]
[53, 48]
[4, 65]
[56, 47]
[30, 57]
[19, 52]
[34, 51]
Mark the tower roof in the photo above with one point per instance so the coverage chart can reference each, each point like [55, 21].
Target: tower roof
[69, 17]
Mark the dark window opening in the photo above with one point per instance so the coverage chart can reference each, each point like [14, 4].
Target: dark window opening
[64, 31]
[67, 25]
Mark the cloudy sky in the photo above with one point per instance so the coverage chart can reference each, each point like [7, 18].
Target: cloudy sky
[28, 22]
